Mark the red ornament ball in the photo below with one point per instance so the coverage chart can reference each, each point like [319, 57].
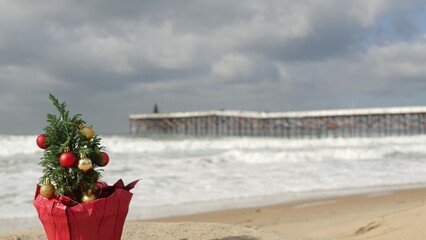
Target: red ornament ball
[41, 141]
[67, 159]
[104, 159]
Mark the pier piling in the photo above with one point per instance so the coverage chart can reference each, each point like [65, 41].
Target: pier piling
[308, 124]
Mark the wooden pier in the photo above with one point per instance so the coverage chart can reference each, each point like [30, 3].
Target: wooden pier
[306, 124]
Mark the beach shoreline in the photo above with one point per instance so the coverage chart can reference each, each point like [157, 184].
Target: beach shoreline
[387, 214]
[381, 215]
[206, 207]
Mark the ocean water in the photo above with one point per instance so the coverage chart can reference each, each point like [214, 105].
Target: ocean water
[189, 175]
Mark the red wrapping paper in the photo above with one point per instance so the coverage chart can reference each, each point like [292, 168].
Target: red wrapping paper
[101, 219]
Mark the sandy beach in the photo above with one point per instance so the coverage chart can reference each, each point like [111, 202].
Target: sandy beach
[382, 216]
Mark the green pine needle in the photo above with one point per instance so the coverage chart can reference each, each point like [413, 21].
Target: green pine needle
[63, 134]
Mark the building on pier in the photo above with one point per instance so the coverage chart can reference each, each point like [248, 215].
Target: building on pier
[302, 124]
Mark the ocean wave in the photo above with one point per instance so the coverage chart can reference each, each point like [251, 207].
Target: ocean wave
[178, 171]
[17, 145]
[245, 148]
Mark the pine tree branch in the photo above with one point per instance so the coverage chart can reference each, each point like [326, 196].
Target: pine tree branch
[62, 132]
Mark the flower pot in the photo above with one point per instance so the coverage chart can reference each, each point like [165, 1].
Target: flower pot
[100, 219]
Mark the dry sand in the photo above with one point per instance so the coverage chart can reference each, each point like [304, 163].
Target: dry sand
[177, 231]
[395, 215]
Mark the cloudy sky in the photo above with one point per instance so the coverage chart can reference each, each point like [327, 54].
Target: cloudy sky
[108, 59]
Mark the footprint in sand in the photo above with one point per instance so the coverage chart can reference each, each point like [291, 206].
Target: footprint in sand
[368, 227]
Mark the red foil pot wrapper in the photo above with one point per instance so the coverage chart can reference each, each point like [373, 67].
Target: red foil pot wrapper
[101, 219]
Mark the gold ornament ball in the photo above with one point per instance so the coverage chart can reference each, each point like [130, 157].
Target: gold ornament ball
[85, 164]
[47, 190]
[87, 132]
[88, 198]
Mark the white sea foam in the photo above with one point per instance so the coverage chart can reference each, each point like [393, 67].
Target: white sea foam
[14, 144]
[179, 174]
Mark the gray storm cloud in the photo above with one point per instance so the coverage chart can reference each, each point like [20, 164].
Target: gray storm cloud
[111, 58]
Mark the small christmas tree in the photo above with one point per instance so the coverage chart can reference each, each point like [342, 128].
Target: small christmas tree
[71, 158]
[71, 161]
